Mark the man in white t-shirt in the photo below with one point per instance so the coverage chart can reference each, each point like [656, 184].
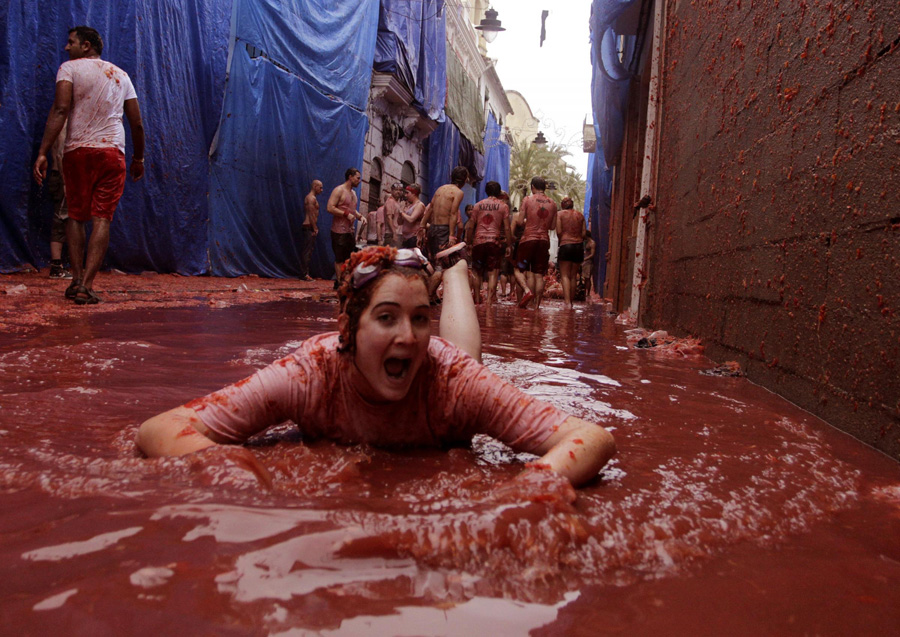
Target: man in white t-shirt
[91, 95]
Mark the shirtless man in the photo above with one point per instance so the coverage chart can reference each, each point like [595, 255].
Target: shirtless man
[443, 212]
[392, 215]
[409, 224]
[587, 266]
[487, 233]
[342, 204]
[372, 231]
[310, 227]
[538, 215]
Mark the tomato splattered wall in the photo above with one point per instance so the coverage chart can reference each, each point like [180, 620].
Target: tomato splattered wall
[775, 235]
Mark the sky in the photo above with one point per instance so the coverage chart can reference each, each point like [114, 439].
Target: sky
[556, 78]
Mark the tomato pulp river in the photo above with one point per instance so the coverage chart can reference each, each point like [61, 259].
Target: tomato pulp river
[726, 510]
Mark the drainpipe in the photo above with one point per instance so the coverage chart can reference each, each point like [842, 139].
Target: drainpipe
[651, 161]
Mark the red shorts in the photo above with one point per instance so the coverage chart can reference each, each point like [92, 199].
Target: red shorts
[95, 179]
[533, 256]
[487, 256]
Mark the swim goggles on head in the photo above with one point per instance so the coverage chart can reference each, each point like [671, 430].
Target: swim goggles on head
[364, 273]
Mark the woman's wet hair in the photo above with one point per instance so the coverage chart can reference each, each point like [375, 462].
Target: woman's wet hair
[354, 300]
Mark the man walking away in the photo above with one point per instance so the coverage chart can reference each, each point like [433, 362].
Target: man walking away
[91, 95]
[310, 228]
[538, 215]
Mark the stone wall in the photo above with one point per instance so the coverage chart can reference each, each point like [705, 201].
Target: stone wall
[776, 230]
[405, 150]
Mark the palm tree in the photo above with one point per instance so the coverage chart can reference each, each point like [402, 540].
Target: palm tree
[528, 160]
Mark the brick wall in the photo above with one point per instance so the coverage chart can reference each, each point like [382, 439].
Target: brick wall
[776, 230]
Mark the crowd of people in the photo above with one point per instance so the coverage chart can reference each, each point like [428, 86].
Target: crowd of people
[505, 249]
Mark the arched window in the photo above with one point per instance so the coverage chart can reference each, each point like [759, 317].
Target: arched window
[408, 174]
[375, 184]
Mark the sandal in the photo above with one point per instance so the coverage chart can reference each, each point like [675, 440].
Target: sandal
[83, 296]
[72, 290]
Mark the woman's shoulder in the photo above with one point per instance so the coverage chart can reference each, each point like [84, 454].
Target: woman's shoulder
[319, 349]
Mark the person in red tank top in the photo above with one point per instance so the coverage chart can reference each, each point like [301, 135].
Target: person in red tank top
[538, 215]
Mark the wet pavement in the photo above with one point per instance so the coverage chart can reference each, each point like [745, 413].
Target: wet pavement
[726, 509]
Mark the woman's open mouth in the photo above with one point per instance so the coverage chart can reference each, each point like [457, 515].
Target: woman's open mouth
[396, 368]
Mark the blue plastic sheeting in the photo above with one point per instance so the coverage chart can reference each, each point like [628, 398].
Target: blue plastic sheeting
[471, 158]
[611, 78]
[443, 154]
[278, 132]
[609, 88]
[447, 149]
[410, 45]
[161, 221]
[497, 155]
[600, 186]
[329, 44]
[264, 165]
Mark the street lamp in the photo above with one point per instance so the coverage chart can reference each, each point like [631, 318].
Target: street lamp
[490, 25]
[540, 140]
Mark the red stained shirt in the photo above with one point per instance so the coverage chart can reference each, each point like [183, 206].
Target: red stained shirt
[452, 398]
[489, 215]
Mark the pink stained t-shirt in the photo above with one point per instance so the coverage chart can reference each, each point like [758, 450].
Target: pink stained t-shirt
[452, 398]
[489, 215]
[99, 92]
[540, 217]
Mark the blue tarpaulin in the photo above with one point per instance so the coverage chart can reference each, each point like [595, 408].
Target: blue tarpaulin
[175, 53]
[291, 114]
[447, 149]
[609, 87]
[443, 154]
[410, 45]
[293, 110]
[497, 155]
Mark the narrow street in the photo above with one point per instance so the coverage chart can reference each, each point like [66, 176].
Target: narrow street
[726, 510]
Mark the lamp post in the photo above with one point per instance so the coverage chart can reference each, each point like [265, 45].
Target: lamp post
[490, 25]
[540, 140]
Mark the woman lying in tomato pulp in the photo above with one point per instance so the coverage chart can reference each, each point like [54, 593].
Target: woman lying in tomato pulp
[383, 379]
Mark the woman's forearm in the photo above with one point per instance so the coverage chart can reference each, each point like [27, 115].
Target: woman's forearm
[580, 450]
[172, 433]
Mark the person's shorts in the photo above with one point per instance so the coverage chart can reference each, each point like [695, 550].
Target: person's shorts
[438, 237]
[571, 252]
[60, 207]
[342, 244]
[388, 239]
[533, 256]
[487, 256]
[95, 179]
[410, 242]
